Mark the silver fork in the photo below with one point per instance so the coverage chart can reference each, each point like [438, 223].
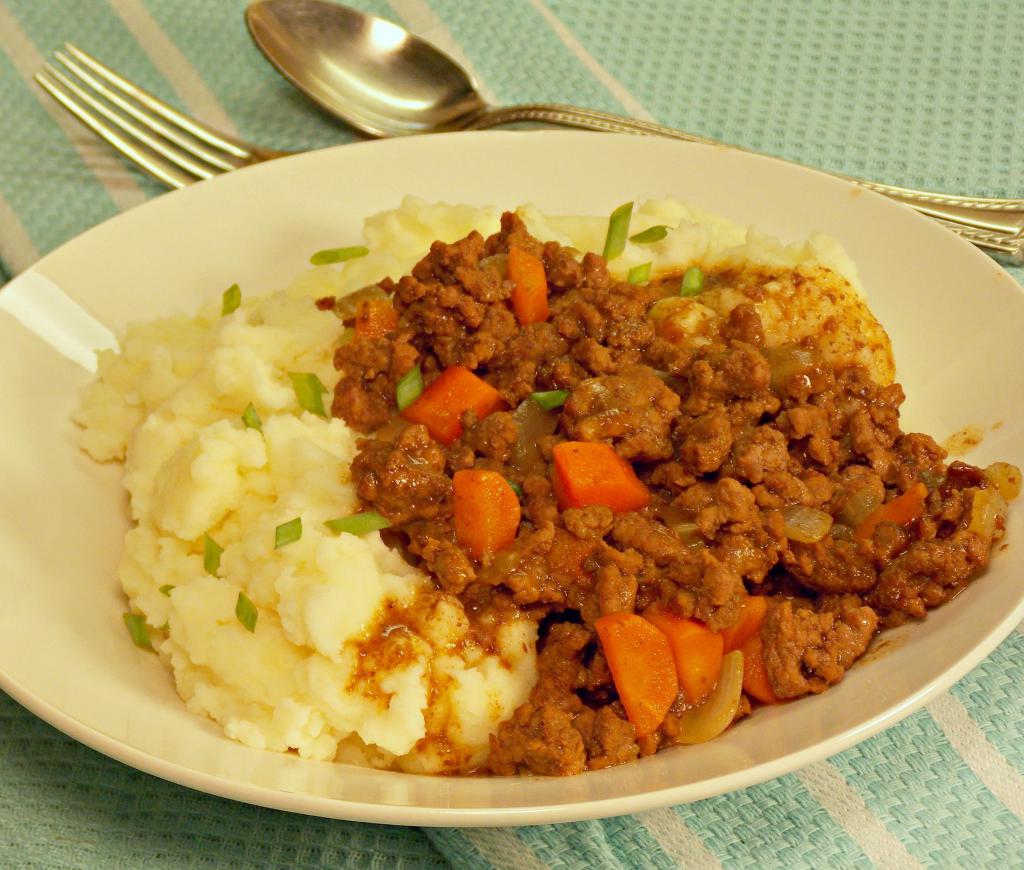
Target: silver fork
[178, 150]
[172, 147]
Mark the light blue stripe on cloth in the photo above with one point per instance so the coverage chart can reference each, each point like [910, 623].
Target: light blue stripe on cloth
[778, 823]
[915, 782]
[519, 56]
[991, 693]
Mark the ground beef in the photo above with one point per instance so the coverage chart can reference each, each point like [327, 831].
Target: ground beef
[632, 410]
[807, 651]
[727, 436]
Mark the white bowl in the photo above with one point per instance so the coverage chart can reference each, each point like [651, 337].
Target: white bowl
[954, 316]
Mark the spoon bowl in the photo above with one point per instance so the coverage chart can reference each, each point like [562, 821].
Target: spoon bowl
[367, 71]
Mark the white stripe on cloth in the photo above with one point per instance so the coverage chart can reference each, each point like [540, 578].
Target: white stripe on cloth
[16, 248]
[988, 764]
[426, 24]
[833, 792]
[630, 103]
[677, 841]
[503, 848]
[98, 157]
[173, 65]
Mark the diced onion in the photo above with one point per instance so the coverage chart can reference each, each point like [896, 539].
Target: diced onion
[806, 525]
[533, 423]
[1005, 478]
[859, 506]
[987, 509]
[689, 534]
[788, 360]
[346, 306]
[496, 262]
[717, 713]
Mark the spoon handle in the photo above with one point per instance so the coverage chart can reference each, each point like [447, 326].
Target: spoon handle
[984, 214]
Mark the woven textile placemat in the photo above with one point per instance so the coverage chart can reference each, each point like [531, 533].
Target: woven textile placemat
[917, 93]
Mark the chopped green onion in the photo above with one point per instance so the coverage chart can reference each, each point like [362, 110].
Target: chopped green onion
[136, 626]
[166, 589]
[650, 235]
[409, 388]
[231, 299]
[358, 524]
[639, 274]
[309, 390]
[211, 555]
[246, 612]
[252, 419]
[287, 533]
[516, 488]
[693, 282]
[618, 231]
[551, 399]
[338, 255]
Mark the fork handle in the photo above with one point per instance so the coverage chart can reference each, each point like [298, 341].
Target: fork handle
[1004, 216]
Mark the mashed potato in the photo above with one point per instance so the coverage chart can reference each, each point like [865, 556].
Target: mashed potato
[354, 654]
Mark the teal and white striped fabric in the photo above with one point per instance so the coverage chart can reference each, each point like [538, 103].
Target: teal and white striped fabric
[920, 93]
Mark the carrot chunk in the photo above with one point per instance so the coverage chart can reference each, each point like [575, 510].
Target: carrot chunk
[749, 623]
[755, 677]
[441, 405]
[487, 511]
[644, 673]
[902, 509]
[593, 473]
[697, 651]
[375, 318]
[530, 296]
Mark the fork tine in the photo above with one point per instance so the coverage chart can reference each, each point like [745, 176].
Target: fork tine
[183, 160]
[159, 169]
[186, 143]
[197, 129]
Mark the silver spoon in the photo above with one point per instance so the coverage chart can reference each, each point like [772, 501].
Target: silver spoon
[386, 82]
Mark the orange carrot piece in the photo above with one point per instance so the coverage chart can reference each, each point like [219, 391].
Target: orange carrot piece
[749, 623]
[697, 651]
[530, 296]
[487, 511]
[375, 318]
[755, 677]
[441, 405]
[902, 509]
[593, 473]
[644, 673]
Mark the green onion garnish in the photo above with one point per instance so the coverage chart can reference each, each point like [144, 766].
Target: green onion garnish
[246, 612]
[650, 235]
[516, 488]
[618, 231]
[309, 390]
[211, 555]
[639, 274]
[551, 399]
[409, 388]
[358, 524]
[231, 299]
[252, 419]
[338, 255]
[136, 626]
[166, 589]
[287, 533]
[693, 282]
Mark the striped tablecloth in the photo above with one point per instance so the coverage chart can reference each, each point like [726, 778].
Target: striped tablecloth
[919, 93]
